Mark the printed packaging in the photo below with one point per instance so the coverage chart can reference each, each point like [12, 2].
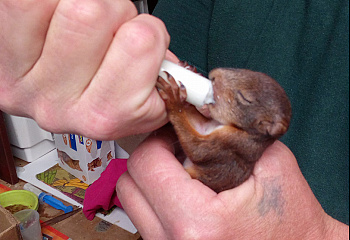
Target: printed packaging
[83, 157]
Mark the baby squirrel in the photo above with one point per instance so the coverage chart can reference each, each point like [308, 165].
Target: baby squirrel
[223, 141]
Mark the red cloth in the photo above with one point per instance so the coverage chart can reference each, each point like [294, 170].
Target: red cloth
[102, 193]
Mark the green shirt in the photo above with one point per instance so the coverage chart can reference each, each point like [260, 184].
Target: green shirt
[304, 45]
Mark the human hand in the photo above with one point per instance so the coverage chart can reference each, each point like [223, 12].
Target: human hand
[274, 203]
[82, 66]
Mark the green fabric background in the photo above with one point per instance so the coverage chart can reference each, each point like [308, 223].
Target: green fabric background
[304, 45]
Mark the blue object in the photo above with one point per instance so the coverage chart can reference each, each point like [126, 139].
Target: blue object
[54, 202]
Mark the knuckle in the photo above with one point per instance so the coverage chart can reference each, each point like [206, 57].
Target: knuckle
[128, 9]
[189, 233]
[99, 128]
[84, 12]
[141, 36]
[144, 35]
[44, 117]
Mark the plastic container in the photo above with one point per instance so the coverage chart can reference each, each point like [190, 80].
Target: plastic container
[29, 224]
[28, 141]
[19, 197]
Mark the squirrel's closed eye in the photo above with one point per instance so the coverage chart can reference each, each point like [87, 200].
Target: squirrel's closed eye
[245, 99]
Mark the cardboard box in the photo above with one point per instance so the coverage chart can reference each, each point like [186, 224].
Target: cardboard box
[9, 228]
[83, 157]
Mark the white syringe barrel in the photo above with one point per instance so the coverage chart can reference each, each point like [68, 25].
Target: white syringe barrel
[199, 89]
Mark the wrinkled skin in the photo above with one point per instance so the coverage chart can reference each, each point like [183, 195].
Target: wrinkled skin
[60, 63]
[164, 202]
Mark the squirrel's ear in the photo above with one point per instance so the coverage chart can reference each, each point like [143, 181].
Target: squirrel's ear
[273, 129]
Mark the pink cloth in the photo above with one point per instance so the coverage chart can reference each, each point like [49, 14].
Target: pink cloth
[102, 193]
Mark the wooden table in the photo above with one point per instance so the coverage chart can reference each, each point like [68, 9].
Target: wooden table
[77, 227]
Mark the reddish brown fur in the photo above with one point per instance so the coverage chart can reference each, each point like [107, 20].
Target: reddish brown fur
[252, 110]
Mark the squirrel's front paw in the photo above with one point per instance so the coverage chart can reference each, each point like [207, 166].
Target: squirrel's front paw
[173, 94]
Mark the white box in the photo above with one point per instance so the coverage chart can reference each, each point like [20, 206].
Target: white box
[28, 141]
[83, 157]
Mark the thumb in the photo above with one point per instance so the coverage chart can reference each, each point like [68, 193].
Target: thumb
[277, 159]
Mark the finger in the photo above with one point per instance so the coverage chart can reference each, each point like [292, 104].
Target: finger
[275, 157]
[168, 188]
[270, 169]
[139, 47]
[133, 62]
[23, 26]
[277, 186]
[138, 209]
[278, 162]
[78, 38]
[172, 57]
